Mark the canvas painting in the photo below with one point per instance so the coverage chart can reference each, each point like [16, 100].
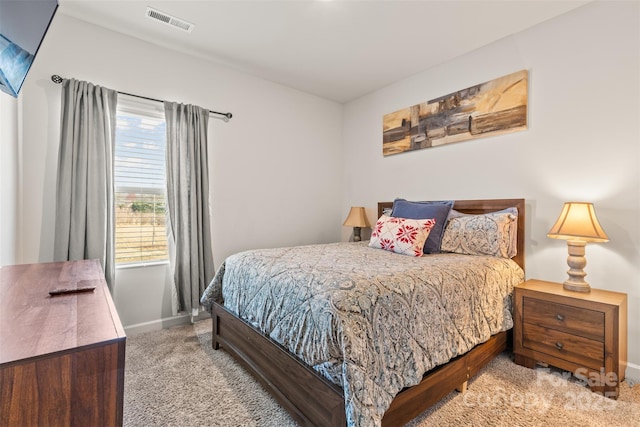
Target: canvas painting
[491, 108]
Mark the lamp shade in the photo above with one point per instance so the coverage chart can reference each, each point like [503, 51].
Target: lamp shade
[356, 218]
[578, 221]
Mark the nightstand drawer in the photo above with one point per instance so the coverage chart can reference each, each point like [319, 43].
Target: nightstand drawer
[569, 319]
[584, 351]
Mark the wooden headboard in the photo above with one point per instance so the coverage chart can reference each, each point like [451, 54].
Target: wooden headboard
[484, 206]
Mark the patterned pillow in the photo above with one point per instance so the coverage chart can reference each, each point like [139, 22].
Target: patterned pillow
[493, 233]
[401, 235]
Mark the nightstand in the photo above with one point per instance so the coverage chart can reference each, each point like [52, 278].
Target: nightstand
[583, 333]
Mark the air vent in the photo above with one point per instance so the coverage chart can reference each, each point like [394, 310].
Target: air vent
[165, 18]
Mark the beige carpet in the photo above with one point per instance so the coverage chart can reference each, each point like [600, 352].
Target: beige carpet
[174, 378]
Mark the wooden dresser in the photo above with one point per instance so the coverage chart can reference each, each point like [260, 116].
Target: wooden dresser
[61, 357]
[583, 333]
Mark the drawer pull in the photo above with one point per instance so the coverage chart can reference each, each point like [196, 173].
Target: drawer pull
[559, 345]
[560, 317]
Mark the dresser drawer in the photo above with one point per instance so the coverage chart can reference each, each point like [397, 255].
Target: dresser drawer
[565, 318]
[583, 351]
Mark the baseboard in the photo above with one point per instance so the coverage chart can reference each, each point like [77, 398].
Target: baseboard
[167, 322]
[632, 374]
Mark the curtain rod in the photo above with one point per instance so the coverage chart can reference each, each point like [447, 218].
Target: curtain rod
[226, 116]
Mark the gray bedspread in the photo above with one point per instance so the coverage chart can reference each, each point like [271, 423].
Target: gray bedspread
[369, 320]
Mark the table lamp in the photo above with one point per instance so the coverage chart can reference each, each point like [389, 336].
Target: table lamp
[357, 219]
[577, 224]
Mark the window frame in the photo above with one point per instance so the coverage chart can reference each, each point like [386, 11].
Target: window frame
[145, 109]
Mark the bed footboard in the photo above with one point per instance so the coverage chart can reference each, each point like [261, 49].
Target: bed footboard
[309, 398]
[314, 401]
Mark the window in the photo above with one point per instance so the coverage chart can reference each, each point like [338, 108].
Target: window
[140, 181]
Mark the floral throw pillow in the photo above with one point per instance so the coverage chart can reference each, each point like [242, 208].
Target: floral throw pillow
[401, 235]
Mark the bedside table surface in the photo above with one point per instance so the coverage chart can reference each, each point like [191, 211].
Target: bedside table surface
[596, 295]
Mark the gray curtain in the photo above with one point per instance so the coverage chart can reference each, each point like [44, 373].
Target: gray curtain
[188, 225]
[85, 208]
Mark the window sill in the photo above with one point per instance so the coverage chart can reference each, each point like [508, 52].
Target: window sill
[141, 264]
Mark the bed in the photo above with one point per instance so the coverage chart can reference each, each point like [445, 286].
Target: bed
[310, 382]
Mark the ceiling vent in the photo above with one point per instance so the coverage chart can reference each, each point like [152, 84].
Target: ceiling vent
[169, 20]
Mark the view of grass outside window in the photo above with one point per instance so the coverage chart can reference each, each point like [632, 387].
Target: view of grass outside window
[140, 182]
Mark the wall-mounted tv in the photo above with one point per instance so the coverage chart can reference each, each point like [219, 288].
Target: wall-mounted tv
[23, 24]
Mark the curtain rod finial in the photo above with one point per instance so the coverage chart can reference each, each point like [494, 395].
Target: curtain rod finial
[56, 79]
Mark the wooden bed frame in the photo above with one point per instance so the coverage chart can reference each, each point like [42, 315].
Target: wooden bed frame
[313, 400]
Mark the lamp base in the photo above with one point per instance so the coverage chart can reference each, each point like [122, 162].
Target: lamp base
[576, 261]
[576, 287]
[356, 234]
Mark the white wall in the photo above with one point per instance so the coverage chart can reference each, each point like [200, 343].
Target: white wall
[9, 183]
[276, 176]
[582, 143]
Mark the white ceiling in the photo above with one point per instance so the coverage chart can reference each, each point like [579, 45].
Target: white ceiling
[339, 50]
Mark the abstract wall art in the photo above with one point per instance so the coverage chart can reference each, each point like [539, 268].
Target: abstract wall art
[492, 108]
